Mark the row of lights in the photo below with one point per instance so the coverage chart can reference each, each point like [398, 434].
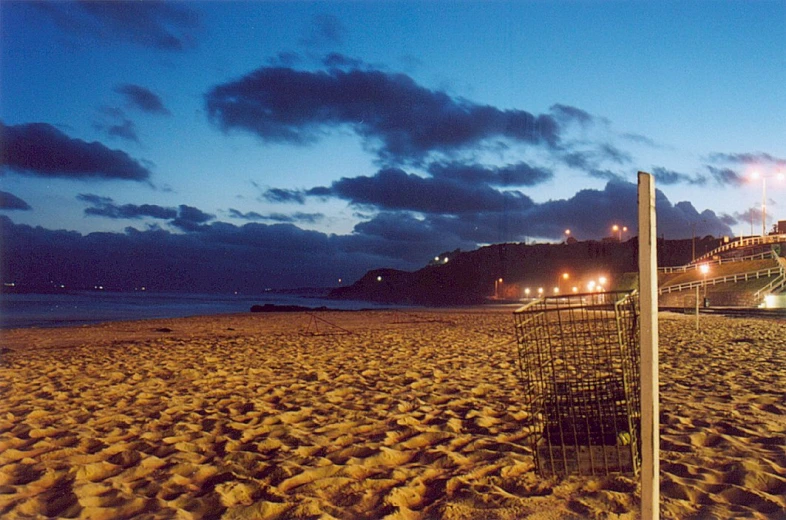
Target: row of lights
[592, 286]
[616, 228]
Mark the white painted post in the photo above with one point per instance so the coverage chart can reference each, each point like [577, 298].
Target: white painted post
[648, 293]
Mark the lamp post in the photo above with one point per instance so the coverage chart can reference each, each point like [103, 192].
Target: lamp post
[497, 283]
[563, 276]
[567, 235]
[756, 175]
[704, 269]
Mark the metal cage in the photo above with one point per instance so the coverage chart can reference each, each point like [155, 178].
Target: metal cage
[579, 364]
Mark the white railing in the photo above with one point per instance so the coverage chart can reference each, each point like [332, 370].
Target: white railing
[720, 261]
[776, 284]
[743, 242]
[732, 278]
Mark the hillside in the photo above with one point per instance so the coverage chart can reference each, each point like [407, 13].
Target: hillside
[472, 277]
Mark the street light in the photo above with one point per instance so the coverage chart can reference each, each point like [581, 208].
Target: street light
[703, 269]
[619, 230]
[563, 276]
[497, 283]
[567, 234]
[756, 175]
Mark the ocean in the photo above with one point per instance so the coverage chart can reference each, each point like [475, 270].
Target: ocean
[81, 308]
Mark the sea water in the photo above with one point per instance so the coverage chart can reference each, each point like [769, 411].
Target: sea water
[80, 308]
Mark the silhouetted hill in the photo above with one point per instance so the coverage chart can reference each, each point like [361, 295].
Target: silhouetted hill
[472, 277]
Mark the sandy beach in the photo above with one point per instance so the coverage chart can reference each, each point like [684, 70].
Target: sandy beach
[369, 414]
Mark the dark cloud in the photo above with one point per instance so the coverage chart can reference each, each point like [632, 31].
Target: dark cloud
[105, 207]
[285, 59]
[591, 160]
[190, 218]
[278, 217]
[160, 25]
[520, 174]
[336, 60]
[567, 114]
[401, 120]
[640, 139]
[225, 257]
[220, 258]
[124, 130]
[726, 176]
[606, 175]
[401, 236]
[394, 189]
[610, 152]
[142, 99]
[326, 30]
[251, 215]
[747, 158]
[11, 201]
[670, 177]
[282, 195]
[42, 150]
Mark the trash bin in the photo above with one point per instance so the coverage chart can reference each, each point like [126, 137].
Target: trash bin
[579, 363]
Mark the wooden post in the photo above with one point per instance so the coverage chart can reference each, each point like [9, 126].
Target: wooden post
[648, 290]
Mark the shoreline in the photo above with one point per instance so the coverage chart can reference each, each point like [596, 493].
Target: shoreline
[414, 414]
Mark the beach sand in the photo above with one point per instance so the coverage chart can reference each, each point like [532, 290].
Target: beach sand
[386, 414]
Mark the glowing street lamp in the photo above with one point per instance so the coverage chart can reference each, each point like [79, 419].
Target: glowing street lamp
[619, 230]
[703, 269]
[556, 290]
[526, 292]
[497, 283]
[756, 175]
[567, 234]
[540, 291]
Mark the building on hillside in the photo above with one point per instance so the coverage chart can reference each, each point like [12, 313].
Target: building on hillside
[782, 227]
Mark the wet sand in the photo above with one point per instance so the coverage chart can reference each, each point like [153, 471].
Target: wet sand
[365, 415]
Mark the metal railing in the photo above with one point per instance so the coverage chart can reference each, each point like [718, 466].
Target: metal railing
[743, 242]
[720, 261]
[733, 278]
[776, 284]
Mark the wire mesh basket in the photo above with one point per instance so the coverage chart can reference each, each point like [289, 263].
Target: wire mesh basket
[579, 361]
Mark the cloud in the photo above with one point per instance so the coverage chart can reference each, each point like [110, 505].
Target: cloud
[190, 218]
[670, 177]
[142, 99]
[336, 60]
[282, 195]
[11, 201]
[277, 217]
[124, 130]
[567, 114]
[400, 120]
[394, 189]
[105, 207]
[747, 158]
[726, 176]
[185, 218]
[155, 24]
[520, 174]
[326, 29]
[39, 149]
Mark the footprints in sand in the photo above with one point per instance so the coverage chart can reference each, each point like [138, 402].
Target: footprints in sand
[396, 421]
[724, 444]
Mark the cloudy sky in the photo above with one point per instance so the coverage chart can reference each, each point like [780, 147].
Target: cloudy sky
[275, 144]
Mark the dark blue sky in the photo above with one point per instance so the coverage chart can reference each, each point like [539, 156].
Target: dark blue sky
[293, 143]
